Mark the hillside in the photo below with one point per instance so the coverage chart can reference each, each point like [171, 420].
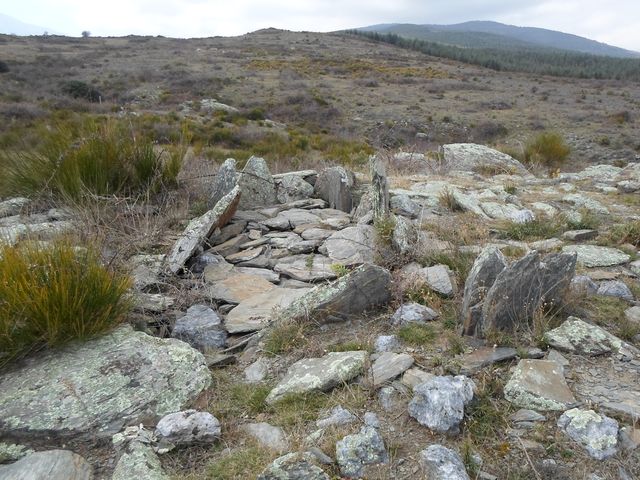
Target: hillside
[13, 26]
[484, 34]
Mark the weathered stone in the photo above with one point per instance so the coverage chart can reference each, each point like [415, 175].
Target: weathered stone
[583, 285]
[304, 246]
[152, 302]
[316, 233]
[10, 452]
[221, 235]
[351, 246]
[387, 343]
[577, 336]
[413, 312]
[201, 328]
[379, 188]
[290, 219]
[264, 273]
[439, 402]
[199, 229]
[361, 290]
[268, 435]
[294, 466]
[217, 268]
[91, 390]
[414, 377]
[139, 461]
[615, 288]
[224, 181]
[231, 246]
[238, 287]
[258, 311]
[404, 236]
[442, 463]
[597, 434]
[335, 185]
[483, 357]
[306, 268]
[244, 255]
[580, 235]
[438, 278]
[355, 452]
[49, 465]
[595, 256]
[319, 374]
[482, 276]
[187, 428]
[538, 385]
[13, 206]
[507, 212]
[389, 398]
[403, 205]
[257, 185]
[524, 415]
[548, 245]
[388, 366]
[146, 270]
[471, 157]
[633, 314]
[337, 416]
[292, 187]
[582, 201]
[257, 371]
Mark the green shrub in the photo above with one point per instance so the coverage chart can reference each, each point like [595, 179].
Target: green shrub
[548, 149]
[54, 294]
[82, 90]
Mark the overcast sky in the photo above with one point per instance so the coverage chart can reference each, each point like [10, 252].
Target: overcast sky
[616, 22]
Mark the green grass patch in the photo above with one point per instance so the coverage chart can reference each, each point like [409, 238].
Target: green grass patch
[243, 462]
[297, 409]
[351, 346]
[232, 399]
[534, 230]
[417, 334]
[285, 338]
[624, 233]
[51, 295]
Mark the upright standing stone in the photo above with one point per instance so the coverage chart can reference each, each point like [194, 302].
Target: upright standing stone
[379, 188]
[257, 184]
[224, 181]
[335, 185]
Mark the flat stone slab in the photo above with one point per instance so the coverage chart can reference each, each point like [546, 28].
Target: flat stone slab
[539, 385]
[239, 287]
[352, 245]
[388, 366]
[595, 256]
[49, 465]
[597, 434]
[483, 357]
[577, 336]
[319, 374]
[91, 390]
[306, 268]
[199, 229]
[257, 312]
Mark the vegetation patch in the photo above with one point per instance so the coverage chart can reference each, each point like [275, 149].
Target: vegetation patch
[417, 334]
[285, 338]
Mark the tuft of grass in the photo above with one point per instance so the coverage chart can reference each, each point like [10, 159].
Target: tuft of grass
[447, 199]
[384, 228]
[53, 294]
[233, 400]
[351, 346]
[534, 230]
[588, 221]
[339, 269]
[548, 149]
[296, 409]
[486, 416]
[624, 233]
[244, 462]
[417, 334]
[284, 338]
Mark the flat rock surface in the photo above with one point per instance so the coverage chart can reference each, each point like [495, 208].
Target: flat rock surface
[239, 287]
[49, 465]
[483, 357]
[539, 385]
[577, 336]
[139, 461]
[352, 245]
[256, 312]
[442, 463]
[319, 374]
[595, 256]
[306, 268]
[388, 366]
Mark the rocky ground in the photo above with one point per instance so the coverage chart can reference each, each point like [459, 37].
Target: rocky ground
[470, 321]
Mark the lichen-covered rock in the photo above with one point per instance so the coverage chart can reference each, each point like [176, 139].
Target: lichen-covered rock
[294, 466]
[10, 452]
[201, 328]
[352, 245]
[387, 343]
[49, 465]
[188, 427]
[257, 185]
[319, 374]
[91, 390]
[596, 256]
[582, 201]
[224, 181]
[139, 461]
[361, 290]
[388, 366]
[403, 205]
[306, 268]
[338, 416]
[470, 157]
[335, 186]
[482, 276]
[355, 452]
[268, 435]
[598, 434]
[539, 385]
[292, 187]
[577, 336]
[439, 402]
[507, 212]
[413, 312]
[404, 236]
[442, 463]
[199, 229]
[615, 288]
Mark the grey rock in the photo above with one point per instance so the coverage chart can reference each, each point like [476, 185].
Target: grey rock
[217, 268]
[257, 371]
[201, 328]
[268, 435]
[238, 287]
[199, 229]
[187, 428]
[379, 188]
[290, 219]
[628, 186]
[404, 236]
[485, 356]
[10, 452]
[442, 463]
[319, 374]
[305, 246]
[371, 420]
[335, 186]
[352, 245]
[152, 302]
[633, 314]
[595, 256]
[389, 398]
[13, 206]
[244, 255]
[539, 385]
[258, 311]
[414, 377]
[48, 465]
[524, 415]
[413, 312]
[582, 201]
[263, 273]
[257, 185]
[292, 187]
[306, 268]
[507, 212]
[470, 157]
[583, 285]
[355, 452]
[388, 366]
[317, 233]
[577, 336]
[403, 205]
[597, 434]
[547, 245]
[438, 278]
[482, 276]
[580, 235]
[139, 461]
[90, 390]
[337, 416]
[224, 181]
[439, 402]
[221, 235]
[294, 466]
[146, 270]
[361, 290]
[556, 356]
[231, 246]
[615, 288]
[387, 343]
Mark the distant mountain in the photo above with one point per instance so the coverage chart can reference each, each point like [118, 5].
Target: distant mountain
[10, 25]
[484, 34]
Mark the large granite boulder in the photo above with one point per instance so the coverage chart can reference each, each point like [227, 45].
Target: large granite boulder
[48, 465]
[335, 186]
[471, 157]
[199, 229]
[257, 185]
[91, 390]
